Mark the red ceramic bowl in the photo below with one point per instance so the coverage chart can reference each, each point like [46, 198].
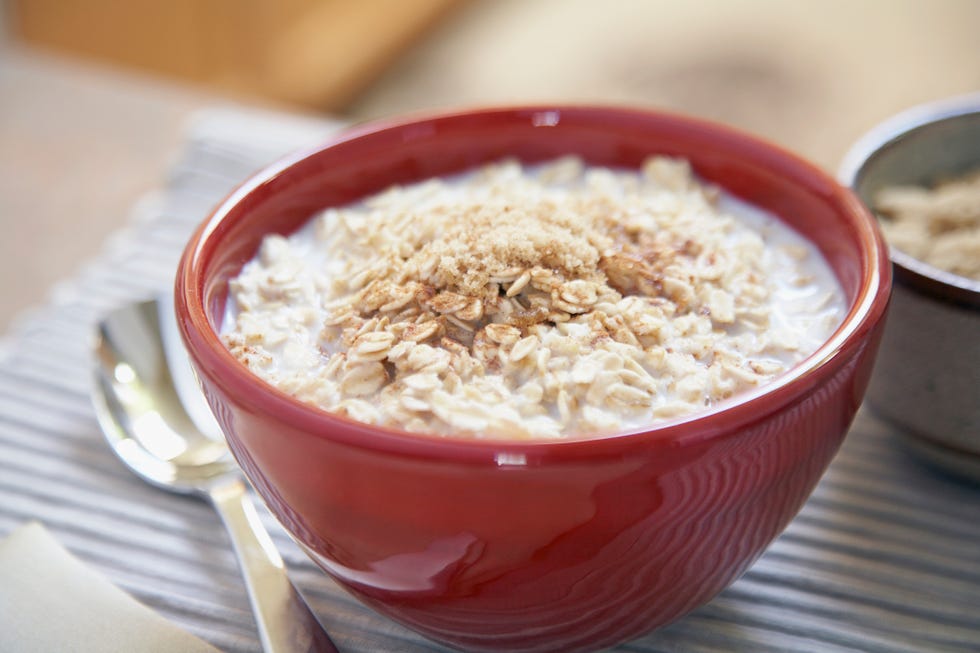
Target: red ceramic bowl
[491, 545]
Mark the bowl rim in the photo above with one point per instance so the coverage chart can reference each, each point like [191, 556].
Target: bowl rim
[910, 271]
[724, 418]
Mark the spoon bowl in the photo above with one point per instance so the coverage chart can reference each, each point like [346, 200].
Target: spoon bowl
[143, 416]
[155, 420]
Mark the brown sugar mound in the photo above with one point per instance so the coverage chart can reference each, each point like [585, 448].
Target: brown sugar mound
[485, 242]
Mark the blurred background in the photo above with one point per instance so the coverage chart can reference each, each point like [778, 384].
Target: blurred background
[94, 94]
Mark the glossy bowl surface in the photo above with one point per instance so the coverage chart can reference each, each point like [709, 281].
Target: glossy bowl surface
[573, 545]
[927, 380]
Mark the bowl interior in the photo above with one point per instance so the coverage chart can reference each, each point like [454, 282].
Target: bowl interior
[372, 158]
[926, 154]
[923, 148]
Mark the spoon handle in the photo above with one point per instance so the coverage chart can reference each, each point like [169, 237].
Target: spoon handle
[284, 620]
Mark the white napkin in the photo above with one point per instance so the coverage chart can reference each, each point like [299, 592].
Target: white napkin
[50, 601]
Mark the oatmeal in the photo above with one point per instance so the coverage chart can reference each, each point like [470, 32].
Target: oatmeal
[939, 226]
[549, 301]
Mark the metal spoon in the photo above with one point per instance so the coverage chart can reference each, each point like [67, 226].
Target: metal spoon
[156, 421]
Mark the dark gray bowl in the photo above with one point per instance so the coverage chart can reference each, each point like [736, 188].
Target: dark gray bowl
[927, 378]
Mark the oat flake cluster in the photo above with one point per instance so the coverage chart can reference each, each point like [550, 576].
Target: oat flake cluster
[513, 302]
[940, 225]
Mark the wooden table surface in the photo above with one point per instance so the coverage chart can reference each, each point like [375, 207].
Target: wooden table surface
[80, 144]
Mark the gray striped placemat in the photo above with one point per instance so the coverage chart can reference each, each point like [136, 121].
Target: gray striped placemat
[884, 557]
